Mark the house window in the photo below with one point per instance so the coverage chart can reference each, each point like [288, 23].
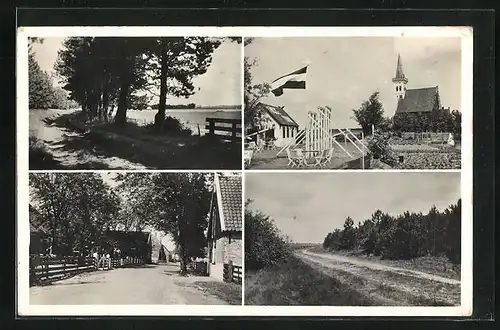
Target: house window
[283, 132]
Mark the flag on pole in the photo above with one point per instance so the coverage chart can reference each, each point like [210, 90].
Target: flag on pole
[294, 80]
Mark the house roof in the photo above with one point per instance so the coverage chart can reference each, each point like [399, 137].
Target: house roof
[418, 100]
[229, 202]
[278, 114]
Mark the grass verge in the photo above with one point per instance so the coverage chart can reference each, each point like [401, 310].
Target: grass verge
[296, 283]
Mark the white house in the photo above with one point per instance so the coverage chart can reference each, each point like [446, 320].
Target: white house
[281, 126]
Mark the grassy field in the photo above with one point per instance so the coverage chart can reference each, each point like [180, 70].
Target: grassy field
[296, 283]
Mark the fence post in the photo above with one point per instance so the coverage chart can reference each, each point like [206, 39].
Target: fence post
[211, 126]
[231, 271]
[233, 132]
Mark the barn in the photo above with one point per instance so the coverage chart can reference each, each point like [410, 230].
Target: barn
[278, 123]
[225, 225]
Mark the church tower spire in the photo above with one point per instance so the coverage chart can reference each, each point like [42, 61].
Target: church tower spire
[400, 80]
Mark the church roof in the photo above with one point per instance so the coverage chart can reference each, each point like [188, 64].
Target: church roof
[419, 100]
[278, 114]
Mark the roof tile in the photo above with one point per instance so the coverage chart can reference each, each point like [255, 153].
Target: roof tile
[230, 190]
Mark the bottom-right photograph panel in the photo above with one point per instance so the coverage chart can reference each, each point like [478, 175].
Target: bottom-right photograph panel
[353, 239]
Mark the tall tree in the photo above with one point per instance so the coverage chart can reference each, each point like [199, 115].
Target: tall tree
[76, 208]
[175, 203]
[371, 112]
[175, 61]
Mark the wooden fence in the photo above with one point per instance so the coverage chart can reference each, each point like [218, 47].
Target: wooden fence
[45, 268]
[232, 273]
[234, 129]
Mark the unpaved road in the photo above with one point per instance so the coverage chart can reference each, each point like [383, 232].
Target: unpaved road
[55, 138]
[151, 284]
[386, 284]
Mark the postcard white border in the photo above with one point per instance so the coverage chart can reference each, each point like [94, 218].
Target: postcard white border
[22, 298]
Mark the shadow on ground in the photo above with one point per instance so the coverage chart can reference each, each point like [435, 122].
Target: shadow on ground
[229, 292]
[141, 145]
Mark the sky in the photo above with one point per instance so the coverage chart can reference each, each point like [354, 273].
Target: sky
[221, 84]
[308, 206]
[344, 71]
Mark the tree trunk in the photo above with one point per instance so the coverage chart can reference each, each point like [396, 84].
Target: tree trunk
[121, 112]
[160, 116]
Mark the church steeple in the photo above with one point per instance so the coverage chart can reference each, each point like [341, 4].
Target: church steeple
[400, 80]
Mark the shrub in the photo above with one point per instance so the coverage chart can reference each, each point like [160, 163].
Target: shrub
[171, 126]
[265, 246]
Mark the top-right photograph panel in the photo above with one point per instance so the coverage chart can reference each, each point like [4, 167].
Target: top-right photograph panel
[353, 103]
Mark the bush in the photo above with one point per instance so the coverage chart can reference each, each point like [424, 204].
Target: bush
[379, 148]
[265, 246]
[171, 126]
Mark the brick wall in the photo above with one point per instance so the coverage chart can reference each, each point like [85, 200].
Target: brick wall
[233, 250]
[229, 248]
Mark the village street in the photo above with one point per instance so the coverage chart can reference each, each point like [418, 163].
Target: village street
[149, 284]
[390, 286]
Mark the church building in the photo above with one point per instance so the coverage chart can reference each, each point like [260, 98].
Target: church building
[416, 107]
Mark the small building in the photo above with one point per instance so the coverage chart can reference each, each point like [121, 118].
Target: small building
[159, 252]
[279, 123]
[130, 244]
[224, 233]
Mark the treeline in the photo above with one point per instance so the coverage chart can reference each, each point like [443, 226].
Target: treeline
[42, 92]
[441, 120]
[406, 236]
[77, 210]
[176, 106]
[265, 245]
[103, 72]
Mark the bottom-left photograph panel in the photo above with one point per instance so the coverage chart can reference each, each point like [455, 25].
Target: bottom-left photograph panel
[118, 238]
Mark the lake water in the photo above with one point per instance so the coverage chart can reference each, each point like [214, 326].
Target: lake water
[190, 118]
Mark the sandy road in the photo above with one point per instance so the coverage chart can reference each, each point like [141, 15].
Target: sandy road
[336, 259]
[151, 284]
[386, 284]
[55, 138]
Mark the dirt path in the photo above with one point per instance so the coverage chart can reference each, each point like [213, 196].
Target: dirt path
[151, 284]
[378, 266]
[55, 139]
[386, 284]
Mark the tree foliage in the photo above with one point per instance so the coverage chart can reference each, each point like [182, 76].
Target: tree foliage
[371, 112]
[76, 209]
[439, 120]
[405, 236]
[104, 72]
[265, 245]
[174, 203]
[42, 92]
[253, 93]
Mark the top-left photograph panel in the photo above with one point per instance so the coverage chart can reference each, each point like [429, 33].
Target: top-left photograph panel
[132, 103]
